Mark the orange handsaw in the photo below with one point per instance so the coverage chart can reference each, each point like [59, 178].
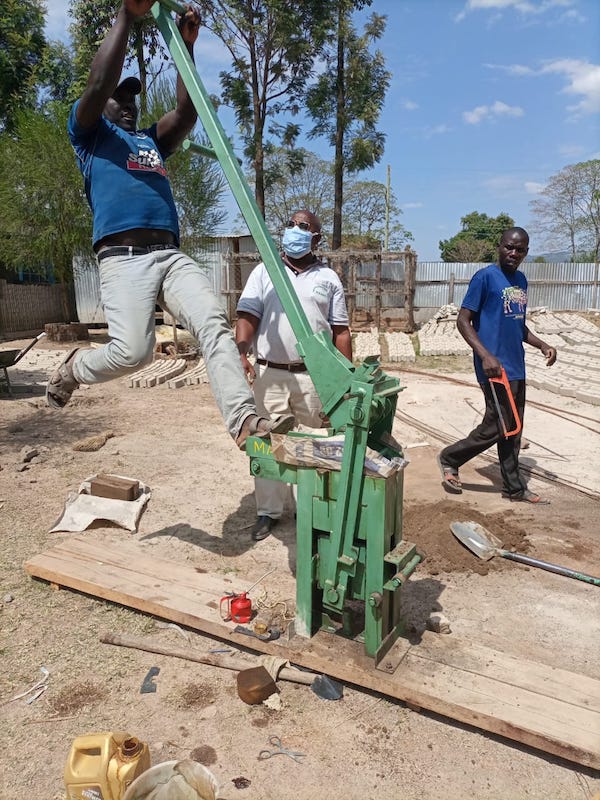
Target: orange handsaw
[503, 381]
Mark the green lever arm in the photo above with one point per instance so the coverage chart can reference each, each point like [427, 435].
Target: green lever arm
[337, 382]
[321, 357]
[343, 562]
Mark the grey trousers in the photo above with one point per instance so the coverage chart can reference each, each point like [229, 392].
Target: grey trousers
[279, 392]
[131, 286]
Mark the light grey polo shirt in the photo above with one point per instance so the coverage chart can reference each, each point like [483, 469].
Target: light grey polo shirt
[321, 295]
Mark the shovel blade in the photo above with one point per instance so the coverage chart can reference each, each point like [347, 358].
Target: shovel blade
[326, 688]
[477, 539]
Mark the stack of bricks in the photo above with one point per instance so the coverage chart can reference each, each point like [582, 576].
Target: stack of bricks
[441, 338]
[399, 348]
[157, 372]
[366, 344]
[577, 370]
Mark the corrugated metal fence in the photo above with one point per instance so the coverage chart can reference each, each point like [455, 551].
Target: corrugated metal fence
[210, 253]
[560, 287]
[373, 283]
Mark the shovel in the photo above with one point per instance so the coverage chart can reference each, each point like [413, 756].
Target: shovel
[322, 685]
[485, 546]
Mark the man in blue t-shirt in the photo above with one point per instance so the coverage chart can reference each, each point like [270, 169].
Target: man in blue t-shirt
[136, 236]
[492, 322]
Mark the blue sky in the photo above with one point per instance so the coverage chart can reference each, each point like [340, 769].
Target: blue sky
[488, 100]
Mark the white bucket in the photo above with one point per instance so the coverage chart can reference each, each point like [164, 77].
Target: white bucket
[174, 780]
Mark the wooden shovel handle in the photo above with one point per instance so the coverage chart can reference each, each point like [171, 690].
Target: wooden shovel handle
[225, 662]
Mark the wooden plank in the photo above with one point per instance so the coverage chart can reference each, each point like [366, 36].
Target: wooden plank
[530, 717]
[483, 702]
[554, 710]
[545, 680]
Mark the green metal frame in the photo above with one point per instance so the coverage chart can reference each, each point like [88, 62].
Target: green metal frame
[359, 400]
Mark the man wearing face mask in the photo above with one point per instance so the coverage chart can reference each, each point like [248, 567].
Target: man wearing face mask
[280, 380]
[136, 235]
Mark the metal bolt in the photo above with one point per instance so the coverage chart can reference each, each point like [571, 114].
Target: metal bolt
[357, 414]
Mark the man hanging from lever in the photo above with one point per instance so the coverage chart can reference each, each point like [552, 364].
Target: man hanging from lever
[136, 236]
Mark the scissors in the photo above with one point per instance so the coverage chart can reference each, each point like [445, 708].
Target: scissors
[280, 750]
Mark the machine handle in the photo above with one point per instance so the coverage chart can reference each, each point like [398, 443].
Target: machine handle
[25, 350]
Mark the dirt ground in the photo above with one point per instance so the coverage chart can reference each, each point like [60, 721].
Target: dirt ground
[362, 747]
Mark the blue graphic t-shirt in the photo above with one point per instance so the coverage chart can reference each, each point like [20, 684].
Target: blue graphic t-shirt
[499, 303]
[125, 178]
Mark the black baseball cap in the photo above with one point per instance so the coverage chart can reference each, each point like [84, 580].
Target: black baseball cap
[130, 84]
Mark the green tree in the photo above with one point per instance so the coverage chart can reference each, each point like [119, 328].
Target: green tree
[478, 240]
[56, 74]
[346, 100]
[292, 184]
[197, 182]
[273, 46]
[45, 217]
[92, 22]
[364, 209]
[567, 211]
[22, 44]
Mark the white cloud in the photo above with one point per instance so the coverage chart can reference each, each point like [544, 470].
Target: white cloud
[436, 130]
[525, 7]
[409, 105]
[584, 81]
[57, 20]
[497, 109]
[503, 185]
[533, 187]
[411, 205]
[571, 151]
[510, 186]
[512, 69]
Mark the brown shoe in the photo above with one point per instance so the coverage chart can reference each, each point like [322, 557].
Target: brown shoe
[263, 427]
[62, 383]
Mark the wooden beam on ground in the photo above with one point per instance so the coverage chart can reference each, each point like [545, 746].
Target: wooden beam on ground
[550, 709]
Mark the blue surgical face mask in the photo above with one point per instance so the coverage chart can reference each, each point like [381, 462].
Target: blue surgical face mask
[296, 242]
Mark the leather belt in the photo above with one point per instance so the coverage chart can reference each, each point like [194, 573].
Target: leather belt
[124, 250]
[297, 367]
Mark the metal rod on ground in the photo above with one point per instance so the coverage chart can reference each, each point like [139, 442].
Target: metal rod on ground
[225, 662]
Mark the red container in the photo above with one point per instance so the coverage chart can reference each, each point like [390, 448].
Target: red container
[238, 608]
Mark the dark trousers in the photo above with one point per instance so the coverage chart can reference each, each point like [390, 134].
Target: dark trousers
[490, 432]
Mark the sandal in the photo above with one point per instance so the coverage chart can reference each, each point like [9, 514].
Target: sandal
[526, 497]
[450, 479]
[263, 427]
[62, 383]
